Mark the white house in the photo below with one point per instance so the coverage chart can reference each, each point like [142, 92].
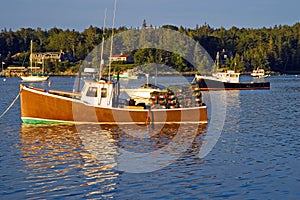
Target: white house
[126, 58]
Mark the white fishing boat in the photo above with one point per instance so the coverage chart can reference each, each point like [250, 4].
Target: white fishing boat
[259, 73]
[228, 80]
[227, 77]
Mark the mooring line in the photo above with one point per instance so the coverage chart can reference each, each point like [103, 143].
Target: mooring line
[9, 107]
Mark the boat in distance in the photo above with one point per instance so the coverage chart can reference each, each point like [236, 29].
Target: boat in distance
[126, 75]
[259, 73]
[33, 76]
[229, 80]
[98, 102]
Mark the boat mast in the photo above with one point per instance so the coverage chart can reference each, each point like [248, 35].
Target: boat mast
[43, 64]
[102, 46]
[218, 61]
[31, 45]
[112, 40]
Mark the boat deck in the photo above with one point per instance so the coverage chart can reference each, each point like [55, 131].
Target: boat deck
[75, 95]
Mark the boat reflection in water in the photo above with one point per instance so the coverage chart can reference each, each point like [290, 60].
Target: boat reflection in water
[83, 160]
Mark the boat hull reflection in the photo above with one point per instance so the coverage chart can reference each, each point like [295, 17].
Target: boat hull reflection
[89, 154]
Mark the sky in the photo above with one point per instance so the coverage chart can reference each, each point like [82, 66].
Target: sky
[80, 14]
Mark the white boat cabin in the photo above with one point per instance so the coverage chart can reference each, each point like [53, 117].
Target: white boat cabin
[230, 76]
[98, 93]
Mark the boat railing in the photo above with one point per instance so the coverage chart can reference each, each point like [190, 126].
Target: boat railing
[65, 94]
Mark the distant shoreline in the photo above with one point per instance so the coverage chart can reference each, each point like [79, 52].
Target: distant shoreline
[184, 73]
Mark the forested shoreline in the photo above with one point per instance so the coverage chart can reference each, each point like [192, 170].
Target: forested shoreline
[273, 49]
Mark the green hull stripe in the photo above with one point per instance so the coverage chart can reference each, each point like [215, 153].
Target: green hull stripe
[42, 121]
[49, 122]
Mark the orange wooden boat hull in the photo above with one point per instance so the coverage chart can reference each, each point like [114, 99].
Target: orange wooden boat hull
[40, 106]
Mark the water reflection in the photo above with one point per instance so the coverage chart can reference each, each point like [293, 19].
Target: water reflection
[81, 161]
[233, 105]
[57, 163]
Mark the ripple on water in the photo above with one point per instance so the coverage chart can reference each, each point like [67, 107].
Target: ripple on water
[256, 157]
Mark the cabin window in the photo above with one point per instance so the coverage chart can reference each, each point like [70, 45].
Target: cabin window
[103, 92]
[92, 92]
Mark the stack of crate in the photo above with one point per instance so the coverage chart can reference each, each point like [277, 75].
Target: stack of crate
[177, 97]
[158, 99]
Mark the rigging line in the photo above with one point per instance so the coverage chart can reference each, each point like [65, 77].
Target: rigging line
[102, 45]
[112, 40]
[9, 107]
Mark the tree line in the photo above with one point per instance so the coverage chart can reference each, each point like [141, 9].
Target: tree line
[275, 49]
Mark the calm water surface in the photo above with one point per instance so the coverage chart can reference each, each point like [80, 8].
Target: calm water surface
[256, 156]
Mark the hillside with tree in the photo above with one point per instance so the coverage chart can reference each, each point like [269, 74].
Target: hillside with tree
[274, 49]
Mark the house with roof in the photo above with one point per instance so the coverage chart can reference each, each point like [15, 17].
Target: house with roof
[124, 58]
